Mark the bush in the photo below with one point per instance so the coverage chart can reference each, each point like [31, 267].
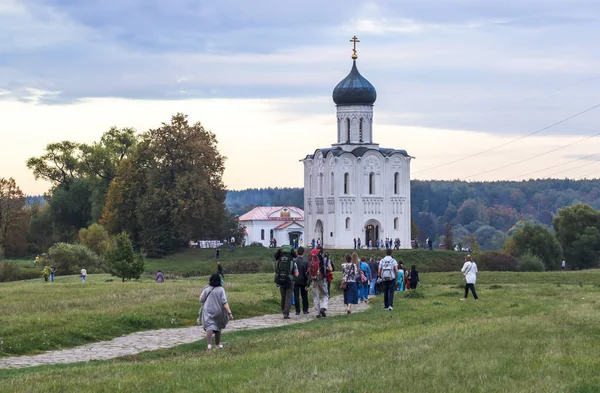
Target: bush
[255, 244]
[11, 272]
[122, 261]
[531, 263]
[497, 261]
[70, 258]
[95, 238]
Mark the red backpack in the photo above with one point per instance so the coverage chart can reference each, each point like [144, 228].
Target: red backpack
[314, 266]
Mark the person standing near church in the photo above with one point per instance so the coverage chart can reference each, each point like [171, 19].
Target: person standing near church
[355, 243]
[358, 243]
[301, 282]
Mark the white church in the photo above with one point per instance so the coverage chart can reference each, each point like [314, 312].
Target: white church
[355, 188]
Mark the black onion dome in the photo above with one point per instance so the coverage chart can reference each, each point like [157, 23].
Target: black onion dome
[354, 89]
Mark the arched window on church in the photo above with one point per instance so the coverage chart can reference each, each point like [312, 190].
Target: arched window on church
[396, 223]
[347, 223]
[272, 234]
[371, 183]
[332, 184]
[262, 234]
[348, 123]
[360, 130]
[346, 183]
[396, 183]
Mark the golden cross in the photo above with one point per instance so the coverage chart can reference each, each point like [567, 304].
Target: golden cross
[354, 40]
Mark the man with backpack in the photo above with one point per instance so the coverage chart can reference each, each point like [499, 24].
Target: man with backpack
[301, 282]
[317, 270]
[285, 271]
[388, 271]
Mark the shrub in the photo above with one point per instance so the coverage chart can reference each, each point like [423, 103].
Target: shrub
[414, 294]
[531, 263]
[95, 238]
[70, 258]
[497, 261]
[11, 272]
[255, 244]
[122, 261]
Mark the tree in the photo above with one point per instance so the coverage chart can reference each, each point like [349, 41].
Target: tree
[539, 241]
[14, 219]
[70, 258]
[414, 229]
[96, 238]
[122, 261]
[577, 231]
[170, 189]
[469, 211]
[448, 239]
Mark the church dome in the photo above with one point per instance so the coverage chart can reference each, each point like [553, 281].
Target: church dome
[354, 89]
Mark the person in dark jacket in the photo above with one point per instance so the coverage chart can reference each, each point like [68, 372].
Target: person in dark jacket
[413, 277]
[301, 282]
[374, 266]
[220, 270]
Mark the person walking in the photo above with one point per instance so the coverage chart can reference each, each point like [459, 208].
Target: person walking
[388, 271]
[355, 243]
[349, 277]
[374, 266]
[285, 271]
[469, 271]
[220, 270]
[563, 266]
[83, 275]
[330, 269]
[358, 243]
[318, 268]
[301, 282]
[52, 273]
[160, 277]
[400, 280]
[365, 277]
[413, 277]
[215, 312]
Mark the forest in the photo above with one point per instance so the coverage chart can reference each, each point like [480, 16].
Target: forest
[489, 211]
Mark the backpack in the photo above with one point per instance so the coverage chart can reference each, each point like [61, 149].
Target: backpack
[285, 266]
[387, 269]
[314, 266]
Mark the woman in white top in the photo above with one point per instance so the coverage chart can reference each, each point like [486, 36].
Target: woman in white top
[469, 270]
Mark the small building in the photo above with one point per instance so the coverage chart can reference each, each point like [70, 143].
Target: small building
[285, 224]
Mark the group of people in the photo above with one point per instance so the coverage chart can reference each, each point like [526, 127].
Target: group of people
[387, 243]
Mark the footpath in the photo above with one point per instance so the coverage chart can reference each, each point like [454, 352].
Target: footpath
[152, 340]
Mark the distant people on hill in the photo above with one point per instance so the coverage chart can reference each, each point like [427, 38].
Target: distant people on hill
[312, 243]
[220, 270]
[160, 277]
[374, 267]
[358, 243]
[215, 312]
[217, 253]
[413, 277]
[232, 244]
[83, 275]
[301, 282]
[355, 243]
[388, 271]
[285, 271]
[563, 266]
[318, 268]
[52, 273]
[469, 271]
[365, 281]
[349, 277]
[370, 244]
[430, 244]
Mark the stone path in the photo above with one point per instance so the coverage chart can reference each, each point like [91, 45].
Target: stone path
[163, 338]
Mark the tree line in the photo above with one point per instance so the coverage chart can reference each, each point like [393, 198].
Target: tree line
[162, 187]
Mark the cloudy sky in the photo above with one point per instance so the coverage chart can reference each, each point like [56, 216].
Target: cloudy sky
[454, 78]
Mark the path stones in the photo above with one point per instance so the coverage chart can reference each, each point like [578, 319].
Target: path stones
[159, 339]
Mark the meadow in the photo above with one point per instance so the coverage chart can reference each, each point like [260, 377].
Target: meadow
[529, 332]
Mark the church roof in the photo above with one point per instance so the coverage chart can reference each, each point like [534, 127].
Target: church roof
[354, 89]
[287, 224]
[265, 213]
[358, 152]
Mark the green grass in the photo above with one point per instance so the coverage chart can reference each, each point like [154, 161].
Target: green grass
[530, 332]
[37, 316]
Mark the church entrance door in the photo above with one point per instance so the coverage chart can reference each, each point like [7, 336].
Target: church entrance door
[295, 239]
[319, 232]
[371, 234]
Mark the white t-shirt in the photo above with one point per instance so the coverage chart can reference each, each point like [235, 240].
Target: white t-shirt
[393, 262]
[83, 272]
[469, 270]
[564, 264]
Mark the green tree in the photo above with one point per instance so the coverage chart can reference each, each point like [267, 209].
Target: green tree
[96, 238]
[70, 258]
[577, 230]
[529, 262]
[448, 238]
[14, 219]
[414, 229]
[537, 240]
[170, 189]
[122, 261]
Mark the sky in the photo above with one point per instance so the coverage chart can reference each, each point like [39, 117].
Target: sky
[454, 78]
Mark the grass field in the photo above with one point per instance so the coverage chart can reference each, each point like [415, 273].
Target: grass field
[37, 316]
[530, 332]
